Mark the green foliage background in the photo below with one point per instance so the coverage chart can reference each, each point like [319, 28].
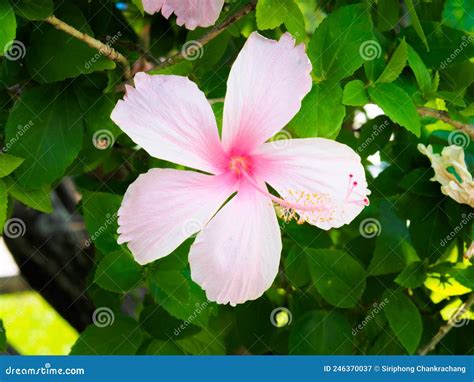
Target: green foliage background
[343, 292]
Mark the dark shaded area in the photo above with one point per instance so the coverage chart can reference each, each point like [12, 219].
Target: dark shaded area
[53, 257]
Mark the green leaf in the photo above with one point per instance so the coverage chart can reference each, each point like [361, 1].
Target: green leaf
[397, 105]
[97, 108]
[245, 328]
[321, 332]
[393, 250]
[435, 82]
[374, 67]
[419, 182]
[139, 5]
[123, 337]
[355, 94]
[374, 135]
[385, 343]
[429, 232]
[202, 343]
[296, 267]
[468, 111]
[412, 276]
[294, 21]
[3, 204]
[163, 326]
[183, 68]
[8, 163]
[450, 51]
[173, 284]
[34, 9]
[321, 113]
[458, 14]
[452, 97]
[388, 12]
[38, 199]
[100, 133]
[396, 64]
[416, 23]
[3, 337]
[118, 272]
[337, 276]
[464, 276]
[422, 74]
[270, 14]
[45, 127]
[335, 48]
[54, 55]
[100, 215]
[159, 347]
[7, 25]
[404, 319]
[181, 297]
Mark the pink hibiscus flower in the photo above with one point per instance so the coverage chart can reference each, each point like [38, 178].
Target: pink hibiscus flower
[236, 254]
[190, 13]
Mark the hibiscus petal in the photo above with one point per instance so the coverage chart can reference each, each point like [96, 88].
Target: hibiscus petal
[193, 13]
[319, 173]
[152, 6]
[236, 257]
[172, 120]
[266, 84]
[164, 207]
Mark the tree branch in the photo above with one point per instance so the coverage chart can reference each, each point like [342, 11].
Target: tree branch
[443, 116]
[212, 34]
[104, 49]
[445, 329]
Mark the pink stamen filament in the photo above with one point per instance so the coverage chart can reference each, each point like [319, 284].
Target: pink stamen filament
[284, 203]
[240, 166]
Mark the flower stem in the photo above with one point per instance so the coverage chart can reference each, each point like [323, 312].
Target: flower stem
[212, 34]
[104, 49]
[445, 329]
[443, 116]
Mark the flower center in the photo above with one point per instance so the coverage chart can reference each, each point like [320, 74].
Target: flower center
[239, 165]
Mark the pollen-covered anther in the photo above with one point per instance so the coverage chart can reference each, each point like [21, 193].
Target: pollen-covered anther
[285, 213]
[309, 206]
